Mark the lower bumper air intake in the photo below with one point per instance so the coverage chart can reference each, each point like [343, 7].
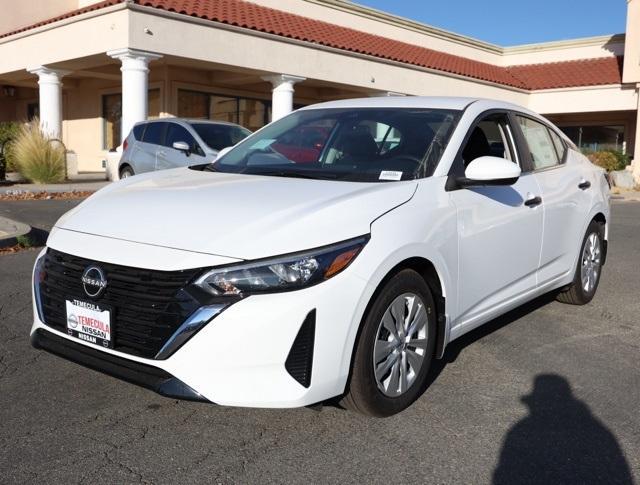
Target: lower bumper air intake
[142, 375]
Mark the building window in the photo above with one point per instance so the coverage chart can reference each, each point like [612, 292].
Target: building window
[33, 111]
[248, 112]
[595, 138]
[112, 116]
[193, 105]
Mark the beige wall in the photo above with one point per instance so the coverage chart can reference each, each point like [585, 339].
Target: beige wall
[21, 13]
[268, 55]
[14, 108]
[581, 100]
[596, 47]
[92, 36]
[632, 53]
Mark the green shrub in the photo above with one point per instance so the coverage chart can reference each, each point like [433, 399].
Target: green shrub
[606, 160]
[37, 158]
[8, 132]
[25, 241]
[623, 159]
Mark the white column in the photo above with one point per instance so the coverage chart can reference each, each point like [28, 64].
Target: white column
[135, 86]
[636, 150]
[282, 94]
[50, 84]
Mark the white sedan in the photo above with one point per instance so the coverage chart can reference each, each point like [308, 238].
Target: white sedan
[335, 252]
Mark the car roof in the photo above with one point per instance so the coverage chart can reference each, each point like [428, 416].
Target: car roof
[424, 102]
[189, 120]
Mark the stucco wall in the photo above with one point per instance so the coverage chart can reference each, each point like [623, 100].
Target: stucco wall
[581, 100]
[269, 55]
[21, 13]
[632, 53]
[91, 36]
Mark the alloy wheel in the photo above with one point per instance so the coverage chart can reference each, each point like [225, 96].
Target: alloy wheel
[401, 345]
[591, 260]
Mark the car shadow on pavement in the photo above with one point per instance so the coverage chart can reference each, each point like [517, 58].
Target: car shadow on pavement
[38, 236]
[559, 441]
[454, 348]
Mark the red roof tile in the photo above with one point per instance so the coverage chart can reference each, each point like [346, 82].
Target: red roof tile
[583, 72]
[248, 15]
[263, 19]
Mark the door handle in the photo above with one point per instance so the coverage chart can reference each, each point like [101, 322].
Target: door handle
[533, 201]
[584, 185]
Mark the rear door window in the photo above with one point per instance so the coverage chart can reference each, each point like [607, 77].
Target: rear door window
[138, 131]
[155, 133]
[541, 148]
[561, 149]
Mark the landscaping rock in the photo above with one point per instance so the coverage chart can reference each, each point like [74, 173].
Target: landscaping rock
[11, 231]
[622, 179]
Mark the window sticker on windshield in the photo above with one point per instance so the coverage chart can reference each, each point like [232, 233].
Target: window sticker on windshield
[390, 175]
[262, 144]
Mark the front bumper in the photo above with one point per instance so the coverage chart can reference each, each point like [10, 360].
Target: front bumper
[241, 357]
[143, 375]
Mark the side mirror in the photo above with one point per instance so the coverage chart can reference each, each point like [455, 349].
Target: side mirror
[490, 171]
[182, 146]
[223, 152]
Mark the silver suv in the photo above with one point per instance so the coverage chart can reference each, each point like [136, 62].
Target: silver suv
[175, 142]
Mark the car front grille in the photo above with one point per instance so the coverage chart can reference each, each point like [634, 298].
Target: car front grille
[147, 305]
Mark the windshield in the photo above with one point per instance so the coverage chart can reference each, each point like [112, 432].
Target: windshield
[219, 136]
[363, 145]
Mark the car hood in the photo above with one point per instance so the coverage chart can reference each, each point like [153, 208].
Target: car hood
[234, 215]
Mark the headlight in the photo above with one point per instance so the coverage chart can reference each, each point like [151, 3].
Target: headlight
[283, 273]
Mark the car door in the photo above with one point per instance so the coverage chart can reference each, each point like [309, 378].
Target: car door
[566, 197]
[169, 157]
[499, 227]
[144, 159]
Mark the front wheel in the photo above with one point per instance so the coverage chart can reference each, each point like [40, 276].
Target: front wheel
[395, 348]
[126, 172]
[588, 270]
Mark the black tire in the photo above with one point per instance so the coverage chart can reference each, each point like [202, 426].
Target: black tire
[363, 394]
[575, 293]
[126, 171]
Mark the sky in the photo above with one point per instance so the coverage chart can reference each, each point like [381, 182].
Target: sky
[514, 22]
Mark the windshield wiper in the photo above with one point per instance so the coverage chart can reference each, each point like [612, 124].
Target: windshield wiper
[293, 174]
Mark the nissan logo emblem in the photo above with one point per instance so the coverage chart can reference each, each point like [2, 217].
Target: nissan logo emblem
[93, 281]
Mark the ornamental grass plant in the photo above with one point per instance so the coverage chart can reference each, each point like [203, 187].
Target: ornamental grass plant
[37, 157]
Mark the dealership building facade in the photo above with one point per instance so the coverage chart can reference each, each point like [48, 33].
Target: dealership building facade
[91, 70]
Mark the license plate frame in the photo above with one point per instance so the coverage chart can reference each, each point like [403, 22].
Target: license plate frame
[90, 322]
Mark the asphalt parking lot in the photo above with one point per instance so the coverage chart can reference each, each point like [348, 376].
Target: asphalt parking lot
[547, 394]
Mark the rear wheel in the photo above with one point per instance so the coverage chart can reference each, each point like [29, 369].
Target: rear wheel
[589, 268]
[395, 348]
[126, 172]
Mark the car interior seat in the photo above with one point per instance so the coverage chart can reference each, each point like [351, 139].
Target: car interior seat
[477, 146]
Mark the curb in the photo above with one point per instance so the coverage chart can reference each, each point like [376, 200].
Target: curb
[11, 230]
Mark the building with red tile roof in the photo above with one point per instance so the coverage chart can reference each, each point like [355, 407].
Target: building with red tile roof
[231, 59]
